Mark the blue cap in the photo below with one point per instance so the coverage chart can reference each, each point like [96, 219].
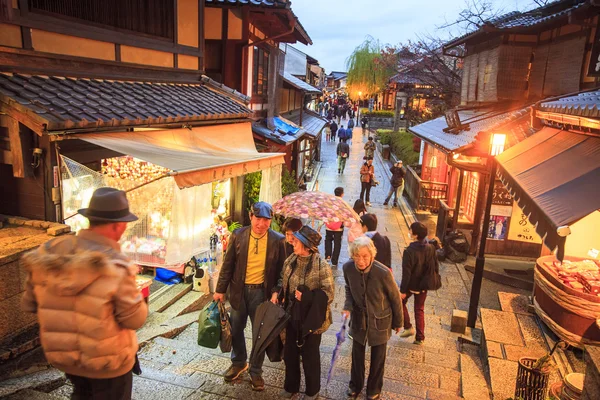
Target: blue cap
[262, 209]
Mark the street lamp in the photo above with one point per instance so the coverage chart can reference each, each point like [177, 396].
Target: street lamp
[497, 142]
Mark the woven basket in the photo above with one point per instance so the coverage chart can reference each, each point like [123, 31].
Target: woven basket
[531, 384]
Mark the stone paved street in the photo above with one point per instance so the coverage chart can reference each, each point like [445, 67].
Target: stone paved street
[178, 368]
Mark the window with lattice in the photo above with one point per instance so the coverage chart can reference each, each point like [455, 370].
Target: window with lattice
[260, 72]
[470, 191]
[150, 17]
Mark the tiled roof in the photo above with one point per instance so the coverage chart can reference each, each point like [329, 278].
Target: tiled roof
[337, 75]
[75, 103]
[262, 3]
[582, 105]
[527, 19]
[312, 123]
[478, 121]
[280, 136]
[299, 83]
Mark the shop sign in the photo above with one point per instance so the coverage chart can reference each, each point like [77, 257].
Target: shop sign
[501, 195]
[594, 67]
[520, 228]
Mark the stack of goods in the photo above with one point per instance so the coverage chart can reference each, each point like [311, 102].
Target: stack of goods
[132, 169]
[583, 276]
[155, 246]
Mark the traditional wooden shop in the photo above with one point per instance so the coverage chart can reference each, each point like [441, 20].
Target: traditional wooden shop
[553, 177]
[179, 150]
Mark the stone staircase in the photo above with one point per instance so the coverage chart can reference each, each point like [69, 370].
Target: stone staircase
[171, 311]
[508, 335]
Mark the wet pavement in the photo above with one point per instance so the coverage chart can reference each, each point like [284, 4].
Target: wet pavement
[178, 368]
[442, 368]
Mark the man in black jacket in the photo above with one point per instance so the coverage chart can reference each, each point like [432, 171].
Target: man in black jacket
[343, 152]
[250, 270]
[381, 242]
[334, 129]
[396, 183]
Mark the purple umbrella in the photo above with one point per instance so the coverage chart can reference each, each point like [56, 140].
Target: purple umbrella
[341, 337]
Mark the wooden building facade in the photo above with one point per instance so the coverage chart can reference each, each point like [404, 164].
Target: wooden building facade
[509, 64]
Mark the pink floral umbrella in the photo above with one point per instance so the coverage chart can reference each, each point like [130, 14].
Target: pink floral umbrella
[317, 206]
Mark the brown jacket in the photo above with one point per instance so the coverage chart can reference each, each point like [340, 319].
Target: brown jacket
[366, 173]
[88, 305]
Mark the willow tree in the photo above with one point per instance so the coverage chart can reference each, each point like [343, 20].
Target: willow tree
[367, 73]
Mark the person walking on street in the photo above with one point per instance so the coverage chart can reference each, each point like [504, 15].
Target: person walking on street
[374, 307]
[418, 259]
[84, 293]
[370, 148]
[251, 268]
[320, 108]
[327, 130]
[367, 174]
[342, 133]
[396, 184]
[381, 242]
[359, 208]
[306, 290]
[333, 236]
[350, 129]
[334, 127]
[343, 152]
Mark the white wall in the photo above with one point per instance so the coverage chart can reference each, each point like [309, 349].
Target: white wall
[295, 60]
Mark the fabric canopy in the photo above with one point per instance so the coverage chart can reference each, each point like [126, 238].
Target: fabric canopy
[195, 156]
[555, 178]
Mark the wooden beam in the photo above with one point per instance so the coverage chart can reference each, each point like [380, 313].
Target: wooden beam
[34, 20]
[35, 62]
[19, 147]
[201, 39]
[22, 115]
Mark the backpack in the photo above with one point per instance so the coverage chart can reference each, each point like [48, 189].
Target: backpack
[333, 226]
[431, 279]
[209, 326]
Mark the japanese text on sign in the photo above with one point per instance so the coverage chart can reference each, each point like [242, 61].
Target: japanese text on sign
[520, 228]
[501, 195]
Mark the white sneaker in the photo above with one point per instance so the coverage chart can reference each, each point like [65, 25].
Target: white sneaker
[408, 332]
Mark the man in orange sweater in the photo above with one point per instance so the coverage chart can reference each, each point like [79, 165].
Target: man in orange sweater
[88, 306]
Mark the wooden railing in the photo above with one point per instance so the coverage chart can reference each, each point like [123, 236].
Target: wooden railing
[444, 220]
[424, 195]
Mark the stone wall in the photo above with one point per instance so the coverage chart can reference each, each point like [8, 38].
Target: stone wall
[12, 285]
[17, 236]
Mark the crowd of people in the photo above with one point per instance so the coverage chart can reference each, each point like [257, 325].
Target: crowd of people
[96, 344]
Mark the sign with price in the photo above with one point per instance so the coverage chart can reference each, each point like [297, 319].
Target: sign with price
[520, 228]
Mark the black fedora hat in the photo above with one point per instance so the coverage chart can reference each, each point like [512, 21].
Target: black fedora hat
[109, 205]
[309, 238]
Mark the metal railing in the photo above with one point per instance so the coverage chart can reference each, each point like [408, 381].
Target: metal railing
[424, 195]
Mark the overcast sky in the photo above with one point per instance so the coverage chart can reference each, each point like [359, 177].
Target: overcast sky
[337, 27]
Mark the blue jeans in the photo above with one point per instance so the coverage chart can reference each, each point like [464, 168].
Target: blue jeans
[253, 297]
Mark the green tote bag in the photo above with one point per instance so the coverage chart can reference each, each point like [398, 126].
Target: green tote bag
[209, 326]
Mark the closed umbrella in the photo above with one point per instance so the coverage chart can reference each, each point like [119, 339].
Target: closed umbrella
[269, 321]
[341, 337]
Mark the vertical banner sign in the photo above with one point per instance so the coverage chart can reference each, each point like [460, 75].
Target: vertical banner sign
[56, 175]
[594, 67]
[520, 228]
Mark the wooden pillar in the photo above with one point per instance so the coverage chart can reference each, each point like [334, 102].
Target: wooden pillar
[20, 147]
[461, 179]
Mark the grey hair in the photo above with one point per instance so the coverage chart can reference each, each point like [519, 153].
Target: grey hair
[359, 243]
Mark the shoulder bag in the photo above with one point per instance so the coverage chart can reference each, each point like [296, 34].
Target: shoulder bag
[431, 279]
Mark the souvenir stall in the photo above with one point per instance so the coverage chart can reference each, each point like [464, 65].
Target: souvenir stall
[179, 184]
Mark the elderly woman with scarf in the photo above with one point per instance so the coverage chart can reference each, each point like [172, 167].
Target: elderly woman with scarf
[306, 290]
[375, 309]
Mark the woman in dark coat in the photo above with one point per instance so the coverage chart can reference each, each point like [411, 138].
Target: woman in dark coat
[374, 306]
[415, 265]
[307, 289]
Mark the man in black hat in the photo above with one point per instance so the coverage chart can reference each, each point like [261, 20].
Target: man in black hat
[83, 290]
[251, 268]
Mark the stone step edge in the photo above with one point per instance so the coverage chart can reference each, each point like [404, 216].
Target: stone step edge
[168, 297]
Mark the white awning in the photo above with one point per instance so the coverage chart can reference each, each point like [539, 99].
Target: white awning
[195, 156]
